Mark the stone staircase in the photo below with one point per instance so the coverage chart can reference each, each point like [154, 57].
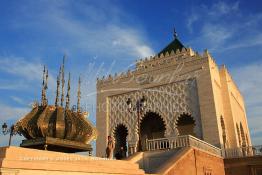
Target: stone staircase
[24, 161]
[152, 161]
[182, 161]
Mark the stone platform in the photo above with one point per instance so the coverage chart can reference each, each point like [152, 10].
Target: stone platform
[24, 161]
[244, 165]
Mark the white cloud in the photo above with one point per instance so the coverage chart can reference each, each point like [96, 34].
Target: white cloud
[24, 71]
[101, 30]
[249, 82]
[215, 35]
[130, 41]
[223, 8]
[20, 67]
[18, 100]
[7, 85]
[11, 112]
[224, 27]
[246, 42]
[191, 20]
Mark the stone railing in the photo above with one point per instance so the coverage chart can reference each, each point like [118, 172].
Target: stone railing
[243, 152]
[181, 141]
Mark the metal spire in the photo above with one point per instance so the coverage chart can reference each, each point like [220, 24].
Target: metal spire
[58, 87]
[68, 93]
[63, 80]
[79, 95]
[44, 87]
[175, 34]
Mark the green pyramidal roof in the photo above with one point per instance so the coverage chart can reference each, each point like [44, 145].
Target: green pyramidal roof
[174, 45]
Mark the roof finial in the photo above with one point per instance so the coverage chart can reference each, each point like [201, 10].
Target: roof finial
[175, 34]
[79, 95]
[68, 93]
[58, 87]
[44, 87]
[46, 78]
[63, 80]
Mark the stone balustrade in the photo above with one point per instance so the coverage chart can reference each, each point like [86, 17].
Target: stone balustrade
[188, 140]
[181, 141]
[247, 151]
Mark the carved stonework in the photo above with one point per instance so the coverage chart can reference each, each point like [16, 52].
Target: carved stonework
[169, 101]
[186, 55]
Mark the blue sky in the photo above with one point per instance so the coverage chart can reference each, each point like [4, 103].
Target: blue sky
[108, 36]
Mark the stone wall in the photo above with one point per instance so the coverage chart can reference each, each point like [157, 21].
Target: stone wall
[195, 162]
[243, 166]
[24, 161]
[154, 72]
[214, 94]
[235, 112]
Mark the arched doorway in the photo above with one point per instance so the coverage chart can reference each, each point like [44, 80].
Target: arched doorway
[185, 125]
[152, 126]
[120, 135]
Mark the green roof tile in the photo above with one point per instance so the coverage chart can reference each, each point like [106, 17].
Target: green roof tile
[174, 45]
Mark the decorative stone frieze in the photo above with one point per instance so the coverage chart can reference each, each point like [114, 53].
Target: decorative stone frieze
[169, 101]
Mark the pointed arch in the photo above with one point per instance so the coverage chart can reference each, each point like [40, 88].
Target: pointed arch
[248, 142]
[242, 134]
[238, 135]
[145, 114]
[185, 125]
[224, 134]
[120, 133]
[152, 126]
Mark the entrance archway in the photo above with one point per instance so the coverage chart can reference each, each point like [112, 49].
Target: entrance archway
[120, 135]
[185, 125]
[152, 126]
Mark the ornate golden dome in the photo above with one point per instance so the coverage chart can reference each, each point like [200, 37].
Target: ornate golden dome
[56, 127]
[56, 122]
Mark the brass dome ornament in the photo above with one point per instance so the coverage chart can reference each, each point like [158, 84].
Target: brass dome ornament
[54, 127]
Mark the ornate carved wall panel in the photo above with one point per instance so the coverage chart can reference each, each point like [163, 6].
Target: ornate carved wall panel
[169, 101]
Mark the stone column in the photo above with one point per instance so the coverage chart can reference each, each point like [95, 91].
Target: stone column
[132, 147]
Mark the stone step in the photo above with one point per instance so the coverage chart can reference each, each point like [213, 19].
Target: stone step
[41, 155]
[151, 161]
[67, 167]
[24, 159]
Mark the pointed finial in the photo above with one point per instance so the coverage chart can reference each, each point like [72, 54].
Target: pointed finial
[58, 87]
[175, 34]
[46, 79]
[63, 80]
[68, 93]
[44, 87]
[43, 77]
[79, 95]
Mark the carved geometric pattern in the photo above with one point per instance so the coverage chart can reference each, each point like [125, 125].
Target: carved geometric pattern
[169, 101]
